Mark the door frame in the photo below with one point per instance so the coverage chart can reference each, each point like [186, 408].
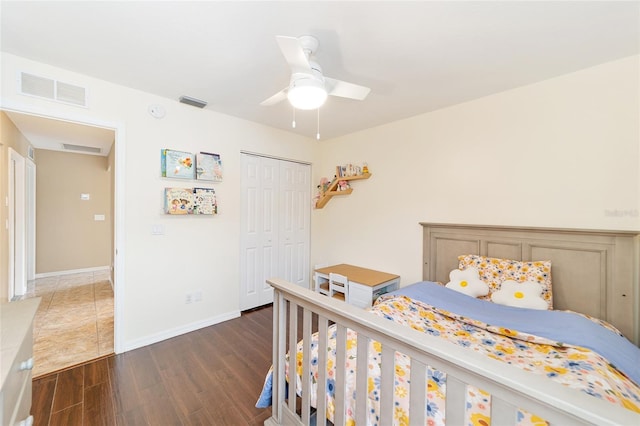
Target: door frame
[30, 231]
[119, 201]
[17, 206]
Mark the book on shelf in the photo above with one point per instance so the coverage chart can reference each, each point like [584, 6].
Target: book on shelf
[177, 164]
[184, 201]
[204, 201]
[208, 167]
[178, 201]
[348, 170]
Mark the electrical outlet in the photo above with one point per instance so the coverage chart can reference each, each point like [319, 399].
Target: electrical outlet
[188, 298]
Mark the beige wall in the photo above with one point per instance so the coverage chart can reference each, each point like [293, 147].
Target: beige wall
[564, 152]
[10, 137]
[68, 237]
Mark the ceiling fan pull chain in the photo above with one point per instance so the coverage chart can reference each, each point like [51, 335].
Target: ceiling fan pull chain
[293, 123]
[318, 132]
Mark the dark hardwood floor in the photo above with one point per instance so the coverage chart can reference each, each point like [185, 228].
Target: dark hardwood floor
[211, 376]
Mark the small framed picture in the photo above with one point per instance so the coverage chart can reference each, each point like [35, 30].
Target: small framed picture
[208, 167]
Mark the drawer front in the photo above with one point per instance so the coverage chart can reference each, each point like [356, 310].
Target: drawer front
[23, 409]
[360, 296]
[16, 394]
[12, 394]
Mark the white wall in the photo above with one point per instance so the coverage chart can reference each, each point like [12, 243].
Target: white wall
[195, 253]
[561, 153]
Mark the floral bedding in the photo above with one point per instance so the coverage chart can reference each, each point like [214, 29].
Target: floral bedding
[572, 366]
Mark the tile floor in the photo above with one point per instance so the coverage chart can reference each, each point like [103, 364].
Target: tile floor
[74, 322]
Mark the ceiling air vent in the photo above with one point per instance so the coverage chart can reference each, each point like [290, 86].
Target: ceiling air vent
[193, 101]
[83, 148]
[54, 90]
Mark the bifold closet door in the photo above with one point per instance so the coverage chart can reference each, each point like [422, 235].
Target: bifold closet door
[295, 216]
[275, 221]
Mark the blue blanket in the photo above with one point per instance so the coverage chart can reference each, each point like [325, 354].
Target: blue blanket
[575, 329]
[266, 396]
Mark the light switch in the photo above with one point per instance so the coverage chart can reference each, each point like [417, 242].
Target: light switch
[157, 230]
[85, 197]
[98, 217]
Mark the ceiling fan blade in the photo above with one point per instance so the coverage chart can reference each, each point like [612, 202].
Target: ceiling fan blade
[345, 90]
[278, 97]
[293, 53]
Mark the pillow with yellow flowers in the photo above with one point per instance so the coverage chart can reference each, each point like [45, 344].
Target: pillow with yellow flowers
[494, 271]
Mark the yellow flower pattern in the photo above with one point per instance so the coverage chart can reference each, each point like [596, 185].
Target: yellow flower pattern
[574, 367]
[494, 271]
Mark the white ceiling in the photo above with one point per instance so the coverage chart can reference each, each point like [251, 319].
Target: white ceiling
[416, 56]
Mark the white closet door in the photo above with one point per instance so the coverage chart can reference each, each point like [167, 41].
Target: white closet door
[259, 243]
[270, 235]
[275, 220]
[295, 211]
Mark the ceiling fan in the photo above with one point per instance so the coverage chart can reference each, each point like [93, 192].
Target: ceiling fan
[308, 87]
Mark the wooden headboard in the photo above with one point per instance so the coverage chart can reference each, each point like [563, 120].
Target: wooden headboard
[592, 272]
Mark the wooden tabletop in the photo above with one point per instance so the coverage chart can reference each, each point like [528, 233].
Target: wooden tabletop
[359, 275]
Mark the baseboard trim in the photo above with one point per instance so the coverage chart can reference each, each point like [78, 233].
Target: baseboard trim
[177, 331]
[72, 271]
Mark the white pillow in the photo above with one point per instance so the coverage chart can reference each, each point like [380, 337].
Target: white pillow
[521, 295]
[467, 282]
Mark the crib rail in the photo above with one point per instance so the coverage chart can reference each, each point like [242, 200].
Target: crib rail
[510, 387]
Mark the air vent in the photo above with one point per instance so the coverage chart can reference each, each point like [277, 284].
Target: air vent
[38, 86]
[83, 148]
[71, 94]
[193, 101]
[54, 90]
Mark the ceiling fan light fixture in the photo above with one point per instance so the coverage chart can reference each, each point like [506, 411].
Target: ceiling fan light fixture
[307, 93]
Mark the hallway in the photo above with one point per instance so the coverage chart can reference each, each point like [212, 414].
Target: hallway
[74, 322]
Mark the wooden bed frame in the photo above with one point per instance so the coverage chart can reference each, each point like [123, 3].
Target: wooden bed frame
[594, 272]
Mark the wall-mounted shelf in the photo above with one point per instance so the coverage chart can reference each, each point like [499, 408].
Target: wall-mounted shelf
[331, 191]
